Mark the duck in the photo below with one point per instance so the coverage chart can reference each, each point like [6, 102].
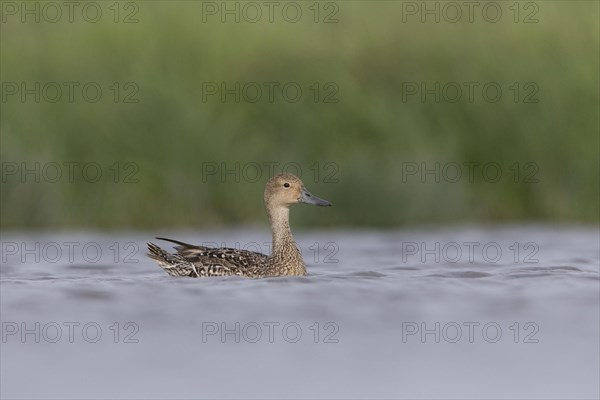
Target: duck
[281, 192]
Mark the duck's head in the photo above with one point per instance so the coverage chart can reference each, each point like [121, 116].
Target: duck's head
[284, 190]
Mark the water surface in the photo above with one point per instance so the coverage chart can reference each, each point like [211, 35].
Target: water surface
[470, 312]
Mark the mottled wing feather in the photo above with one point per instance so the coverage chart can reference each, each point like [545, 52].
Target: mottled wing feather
[200, 261]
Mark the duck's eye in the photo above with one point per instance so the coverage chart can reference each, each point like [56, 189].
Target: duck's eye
[286, 185]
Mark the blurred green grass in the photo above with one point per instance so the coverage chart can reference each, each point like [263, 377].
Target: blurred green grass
[368, 134]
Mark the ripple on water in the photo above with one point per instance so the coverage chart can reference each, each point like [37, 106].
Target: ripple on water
[554, 268]
[89, 294]
[367, 275]
[92, 267]
[402, 268]
[460, 274]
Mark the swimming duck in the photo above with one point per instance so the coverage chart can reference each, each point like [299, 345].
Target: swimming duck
[281, 192]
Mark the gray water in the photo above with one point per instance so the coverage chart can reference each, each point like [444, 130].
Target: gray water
[520, 324]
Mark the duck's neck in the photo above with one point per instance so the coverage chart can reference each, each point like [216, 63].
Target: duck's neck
[285, 253]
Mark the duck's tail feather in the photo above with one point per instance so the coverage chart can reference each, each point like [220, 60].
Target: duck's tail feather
[158, 254]
[183, 245]
[173, 264]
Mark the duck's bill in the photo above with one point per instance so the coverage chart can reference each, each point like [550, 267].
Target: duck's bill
[308, 198]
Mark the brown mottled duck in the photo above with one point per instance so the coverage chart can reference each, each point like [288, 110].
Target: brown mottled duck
[281, 192]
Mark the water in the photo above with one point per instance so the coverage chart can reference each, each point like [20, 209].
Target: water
[528, 319]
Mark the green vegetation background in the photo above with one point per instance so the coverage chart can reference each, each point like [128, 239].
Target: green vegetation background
[368, 134]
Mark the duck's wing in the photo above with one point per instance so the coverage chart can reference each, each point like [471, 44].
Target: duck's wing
[193, 253]
[201, 261]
